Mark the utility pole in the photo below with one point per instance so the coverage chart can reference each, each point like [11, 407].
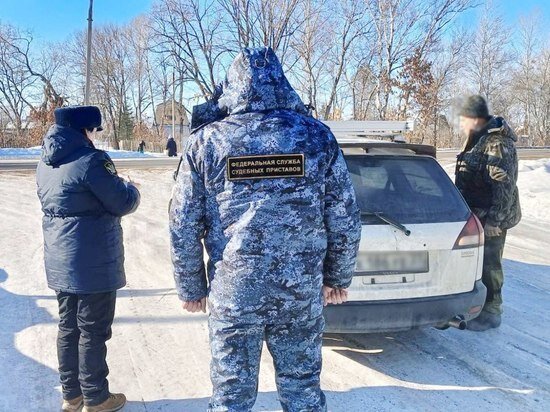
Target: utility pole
[174, 104]
[89, 55]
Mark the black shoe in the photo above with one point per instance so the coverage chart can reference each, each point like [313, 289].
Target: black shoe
[484, 321]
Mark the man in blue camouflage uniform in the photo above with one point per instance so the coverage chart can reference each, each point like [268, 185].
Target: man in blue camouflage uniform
[268, 190]
[486, 175]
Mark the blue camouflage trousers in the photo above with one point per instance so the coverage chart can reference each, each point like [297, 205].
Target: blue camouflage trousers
[296, 351]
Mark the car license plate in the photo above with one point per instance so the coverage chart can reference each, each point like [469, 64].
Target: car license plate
[390, 263]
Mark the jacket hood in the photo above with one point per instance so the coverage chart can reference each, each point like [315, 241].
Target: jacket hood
[256, 82]
[499, 125]
[208, 111]
[60, 142]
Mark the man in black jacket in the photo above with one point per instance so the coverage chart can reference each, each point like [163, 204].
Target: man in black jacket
[171, 147]
[83, 200]
[486, 175]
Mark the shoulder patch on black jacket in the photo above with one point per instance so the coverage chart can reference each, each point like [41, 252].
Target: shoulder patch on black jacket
[110, 166]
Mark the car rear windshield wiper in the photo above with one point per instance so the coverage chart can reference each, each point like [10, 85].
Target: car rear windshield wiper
[388, 220]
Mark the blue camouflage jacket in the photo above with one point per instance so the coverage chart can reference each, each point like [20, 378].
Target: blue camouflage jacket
[83, 200]
[267, 190]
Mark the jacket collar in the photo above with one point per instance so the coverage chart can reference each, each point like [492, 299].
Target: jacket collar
[60, 141]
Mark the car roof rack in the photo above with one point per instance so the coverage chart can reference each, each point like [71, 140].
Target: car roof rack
[377, 136]
[388, 147]
[367, 128]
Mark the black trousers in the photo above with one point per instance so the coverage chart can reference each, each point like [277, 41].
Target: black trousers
[84, 326]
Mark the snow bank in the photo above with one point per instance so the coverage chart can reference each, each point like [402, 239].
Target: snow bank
[34, 153]
[18, 153]
[126, 154]
[534, 189]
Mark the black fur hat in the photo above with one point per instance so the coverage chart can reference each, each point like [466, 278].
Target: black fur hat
[475, 106]
[79, 117]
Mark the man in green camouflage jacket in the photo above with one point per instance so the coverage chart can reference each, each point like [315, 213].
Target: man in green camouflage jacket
[486, 175]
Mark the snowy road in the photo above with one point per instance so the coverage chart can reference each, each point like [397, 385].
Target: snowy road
[28, 160]
[135, 163]
[159, 356]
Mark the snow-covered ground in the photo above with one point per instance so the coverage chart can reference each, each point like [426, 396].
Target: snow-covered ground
[159, 355]
[34, 153]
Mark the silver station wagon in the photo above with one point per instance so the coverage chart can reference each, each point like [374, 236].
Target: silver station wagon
[421, 251]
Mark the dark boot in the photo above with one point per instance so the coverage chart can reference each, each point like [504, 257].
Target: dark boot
[484, 321]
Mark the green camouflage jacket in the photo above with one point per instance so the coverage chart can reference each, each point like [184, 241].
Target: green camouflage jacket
[486, 174]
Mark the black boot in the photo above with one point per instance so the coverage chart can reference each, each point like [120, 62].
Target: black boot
[484, 321]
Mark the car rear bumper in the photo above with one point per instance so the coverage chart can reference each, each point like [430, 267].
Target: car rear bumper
[402, 314]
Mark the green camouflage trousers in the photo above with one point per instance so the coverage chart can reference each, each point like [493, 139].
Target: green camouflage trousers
[493, 276]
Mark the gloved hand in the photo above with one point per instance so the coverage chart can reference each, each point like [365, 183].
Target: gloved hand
[491, 231]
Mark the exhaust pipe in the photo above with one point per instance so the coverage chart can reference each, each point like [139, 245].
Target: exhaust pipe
[458, 322]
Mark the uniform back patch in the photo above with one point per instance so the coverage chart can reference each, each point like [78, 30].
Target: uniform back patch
[110, 166]
[265, 167]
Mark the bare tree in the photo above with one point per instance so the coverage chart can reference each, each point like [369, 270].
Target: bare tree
[47, 66]
[272, 23]
[16, 83]
[489, 58]
[431, 86]
[403, 26]
[112, 75]
[448, 61]
[241, 21]
[363, 87]
[138, 40]
[372, 58]
[347, 25]
[23, 73]
[541, 115]
[311, 46]
[189, 34]
[530, 81]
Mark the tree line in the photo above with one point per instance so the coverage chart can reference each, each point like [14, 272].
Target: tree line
[349, 59]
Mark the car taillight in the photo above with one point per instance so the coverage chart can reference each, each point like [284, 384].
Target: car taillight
[472, 234]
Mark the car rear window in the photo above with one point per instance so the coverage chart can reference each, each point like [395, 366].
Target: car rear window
[405, 188]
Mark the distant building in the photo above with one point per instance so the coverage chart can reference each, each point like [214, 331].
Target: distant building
[165, 119]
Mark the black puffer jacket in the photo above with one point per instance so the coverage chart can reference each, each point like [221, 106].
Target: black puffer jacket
[83, 200]
[172, 147]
